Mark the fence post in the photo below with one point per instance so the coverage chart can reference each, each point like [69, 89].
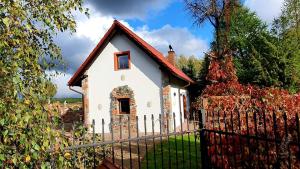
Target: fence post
[204, 160]
[103, 139]
[201, 118]
[129, 137]
[112, 138]
[73, 145]
[94, 156]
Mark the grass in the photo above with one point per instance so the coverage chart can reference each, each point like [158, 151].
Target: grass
[186, 158]
[68, 100]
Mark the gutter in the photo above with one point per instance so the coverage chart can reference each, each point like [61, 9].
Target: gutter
[70, 87]
[189, 83]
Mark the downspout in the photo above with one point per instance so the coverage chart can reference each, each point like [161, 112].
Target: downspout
[70, 87]
[181, 122]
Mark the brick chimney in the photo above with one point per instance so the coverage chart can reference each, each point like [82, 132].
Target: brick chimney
[171, 57]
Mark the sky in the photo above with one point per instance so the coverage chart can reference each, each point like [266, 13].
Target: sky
[158, 22]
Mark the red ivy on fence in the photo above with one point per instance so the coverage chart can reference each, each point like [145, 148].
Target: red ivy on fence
[250, 111]
[246, 110]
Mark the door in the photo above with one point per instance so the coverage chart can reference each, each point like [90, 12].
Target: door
[185, 111]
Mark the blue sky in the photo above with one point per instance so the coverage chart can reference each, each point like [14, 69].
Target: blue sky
[176, 15]
[159, 22]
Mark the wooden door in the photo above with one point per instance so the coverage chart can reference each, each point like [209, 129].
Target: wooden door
[185, 106]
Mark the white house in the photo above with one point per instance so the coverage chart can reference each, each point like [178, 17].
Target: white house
[125, 76]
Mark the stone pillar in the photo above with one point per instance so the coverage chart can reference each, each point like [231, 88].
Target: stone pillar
[166, 105]
[85, 101]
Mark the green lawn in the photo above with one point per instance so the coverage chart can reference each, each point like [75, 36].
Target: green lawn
[186, 158]
[68, 100]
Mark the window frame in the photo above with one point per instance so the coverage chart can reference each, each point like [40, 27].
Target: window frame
[116, 60]
[120, 106]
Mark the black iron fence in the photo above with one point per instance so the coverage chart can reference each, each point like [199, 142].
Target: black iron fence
[256, 139]
[127, 146]
[232, 139]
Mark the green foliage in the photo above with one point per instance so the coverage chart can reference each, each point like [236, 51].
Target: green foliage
[286, 28]
[204, 69]
[258, 55]
[191, 66]
[81, 157]
[50, 88]
[27, 51]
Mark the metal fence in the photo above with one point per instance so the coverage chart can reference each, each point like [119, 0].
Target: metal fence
[125, 146]
[251, 140]
[232, 139]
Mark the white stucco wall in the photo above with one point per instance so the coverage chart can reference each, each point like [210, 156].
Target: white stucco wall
[175, 104]
[144, 78]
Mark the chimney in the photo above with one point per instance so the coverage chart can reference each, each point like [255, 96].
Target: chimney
[171, 57]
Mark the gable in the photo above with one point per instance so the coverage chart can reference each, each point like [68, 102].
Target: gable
[118, 27]
[142, 66]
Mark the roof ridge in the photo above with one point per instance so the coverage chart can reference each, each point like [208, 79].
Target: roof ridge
[123, 26]
[158, 52]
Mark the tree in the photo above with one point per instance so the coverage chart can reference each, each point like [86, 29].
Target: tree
[258, 54]
[255, 53]
[27, 51]
[191, 66]
[258, 57]
[218, 13]
[286, 28]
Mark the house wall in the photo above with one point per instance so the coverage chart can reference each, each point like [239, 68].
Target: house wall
[144, 78]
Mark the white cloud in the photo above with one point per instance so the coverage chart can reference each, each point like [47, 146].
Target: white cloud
[94, 27]
[267, 10]
[182, 41]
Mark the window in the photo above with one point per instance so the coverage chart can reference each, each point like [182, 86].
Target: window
[122, 60]
[124, 107]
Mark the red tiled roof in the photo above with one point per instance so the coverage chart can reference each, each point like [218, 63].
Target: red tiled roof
[159, 57]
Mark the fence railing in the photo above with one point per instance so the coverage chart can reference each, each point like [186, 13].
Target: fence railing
[126, 146]
[256, 139]
[229, 139]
